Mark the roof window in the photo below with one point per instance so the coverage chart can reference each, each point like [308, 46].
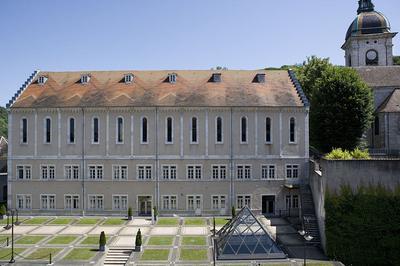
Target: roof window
[128, 78]
[260, 78]
[216, 77]
[172, 78]
[85, 78]
[42, 80]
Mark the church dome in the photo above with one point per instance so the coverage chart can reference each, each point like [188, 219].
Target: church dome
[368, 21]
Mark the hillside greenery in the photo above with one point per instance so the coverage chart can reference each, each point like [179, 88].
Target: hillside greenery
[3, 122]
[362, 227]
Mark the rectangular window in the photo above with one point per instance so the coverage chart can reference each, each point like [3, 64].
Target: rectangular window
[268, 171]
[48, 171]
[169, 202]
[71, 131]
[193, 172]
[218, 202]
[243, 200]
[292, 130]
[219, 171]
[169, 172]
[95, 171]
[96, 202]
[71, 202]
[120, 172]
[292, 171]
[143, 132]
[219, 130]
[243, 172]
[193, 131]
[292, 201]
[24, 131]
[120, 130]
[268, 135]
[194, 202]
[144, 172]
[48, 202]
[47, 131]
[169, 133]
[95, 130]
[120, 202]
[71, 171]
[24, 202]
[24, 171]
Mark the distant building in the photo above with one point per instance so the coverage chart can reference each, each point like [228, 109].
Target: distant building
[369, 49]
[188, 142]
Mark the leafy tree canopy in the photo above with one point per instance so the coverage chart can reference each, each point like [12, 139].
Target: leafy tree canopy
[3, 122]
[396, 60]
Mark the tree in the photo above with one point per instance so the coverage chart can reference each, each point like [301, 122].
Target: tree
[102, 241]
[341, 108]
[396, 60]
[3, 122]
[138, 240]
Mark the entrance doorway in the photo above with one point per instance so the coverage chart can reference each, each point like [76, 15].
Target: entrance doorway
[144, 205]
[268, 205]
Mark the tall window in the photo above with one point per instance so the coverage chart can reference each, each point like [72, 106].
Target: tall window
[95, 130]
[71, 171]
[48, 171]
[219, 130]
[47, 130]
[169, 131]
[120, 130]
[268, 172]
[71, 130]
[95, 171]
[169, 202]
[376, 125]
[96, 202]
[243, 172]
[268, 137]
[193, 131]
[24, 201]
[48, 202]
[194, 202]
[292, 201]
[24, 171]
[120, 172]
[71, 202]
[144, 137]
[292, 130]
[24, 130]
[219, 171]
[218, 202]
[243, 129]
[243, 200]
[120, 202]
[193, 172]
[292, 171]
[169, 172]
[144, 172]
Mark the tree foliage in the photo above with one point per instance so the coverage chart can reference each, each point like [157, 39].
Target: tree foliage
[3, 122]
[362, 228]
[396, 60]
[339, 154]
[341, 104]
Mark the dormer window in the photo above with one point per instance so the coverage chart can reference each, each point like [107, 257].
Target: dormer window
[260, 78]
[42, 80]
[216, 77]
[128, 78]
[172, 78]
[85, 79]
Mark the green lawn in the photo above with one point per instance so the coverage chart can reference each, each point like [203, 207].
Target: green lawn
[4, 221]
[29, 240]
[3, 239]
[36, 220]
[193, 254]
[161, 241]
[113, 221]
[5, 253]
[88, 221]
[194, 241]
[80, 254]
[155, 254]
[43, 253]
[167, 221]
[195, 221]
[62, 221]
[221, 221]
[62, 240]
[91, 240]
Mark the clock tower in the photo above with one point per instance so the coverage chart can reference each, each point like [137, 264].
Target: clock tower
[368, 39]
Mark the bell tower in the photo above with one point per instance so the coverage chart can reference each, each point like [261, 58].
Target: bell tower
[368, 39]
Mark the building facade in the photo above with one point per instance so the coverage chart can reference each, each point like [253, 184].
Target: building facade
[188, 142]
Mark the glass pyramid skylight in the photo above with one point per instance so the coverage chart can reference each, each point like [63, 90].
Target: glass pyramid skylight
[245, 238]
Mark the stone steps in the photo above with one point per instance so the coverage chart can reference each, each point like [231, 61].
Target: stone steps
[117, 256]
[308, 213]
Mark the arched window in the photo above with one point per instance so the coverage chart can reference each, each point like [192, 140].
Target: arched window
[292, 130]
[169, 130]
[193, 133]
[47, 130]
[243, 129]
[376, 125]
[120, 130]
[268, 136]
[71, 130]
[144, 137]
[219, 130]
[24, 130]
[95, 130]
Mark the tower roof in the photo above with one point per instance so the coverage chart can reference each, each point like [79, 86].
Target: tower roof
[368, 21]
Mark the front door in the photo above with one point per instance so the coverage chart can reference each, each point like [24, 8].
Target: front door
[145, 205]
[268, 205]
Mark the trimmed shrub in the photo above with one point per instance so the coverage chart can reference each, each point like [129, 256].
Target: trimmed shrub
[233, 211]
[138, 241]
[129, 212]
[360, 154]
[102, 241]
[155, 212]
[3, 210]
[339, 154]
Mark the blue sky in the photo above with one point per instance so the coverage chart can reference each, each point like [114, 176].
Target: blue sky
[170, 34]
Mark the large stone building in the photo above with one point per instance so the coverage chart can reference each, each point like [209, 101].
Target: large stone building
[369, 48]
[188, 142]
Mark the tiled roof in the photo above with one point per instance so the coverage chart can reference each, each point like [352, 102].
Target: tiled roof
[391, 104]
[151, 88]
[378, 76]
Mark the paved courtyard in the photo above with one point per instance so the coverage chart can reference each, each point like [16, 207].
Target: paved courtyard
[74, 240]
